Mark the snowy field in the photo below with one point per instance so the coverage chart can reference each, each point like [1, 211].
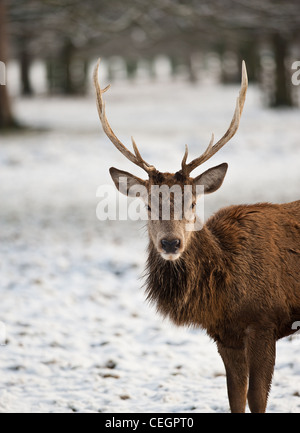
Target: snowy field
[79, 335]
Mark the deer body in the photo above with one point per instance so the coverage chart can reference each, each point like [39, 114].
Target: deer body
[241, 268]
[240, 281]
[238, 277]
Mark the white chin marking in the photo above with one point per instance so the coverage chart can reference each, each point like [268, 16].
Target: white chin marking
[168, 256]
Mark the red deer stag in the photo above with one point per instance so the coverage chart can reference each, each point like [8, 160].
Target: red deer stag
[237, 277]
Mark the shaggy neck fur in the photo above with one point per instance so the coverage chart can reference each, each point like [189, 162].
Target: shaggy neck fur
[189, 290]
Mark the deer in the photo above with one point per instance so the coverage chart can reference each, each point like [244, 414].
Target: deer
[238, 277]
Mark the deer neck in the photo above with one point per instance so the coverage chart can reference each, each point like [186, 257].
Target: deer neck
[186, 290]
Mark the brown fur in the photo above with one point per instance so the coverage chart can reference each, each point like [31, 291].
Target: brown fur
[239, 279]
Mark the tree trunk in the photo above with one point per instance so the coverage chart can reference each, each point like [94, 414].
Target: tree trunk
[25, 63]
[191, 69]
[6, 117]
[282, 94]
[131, 68]
[66, 60]
[59, 71]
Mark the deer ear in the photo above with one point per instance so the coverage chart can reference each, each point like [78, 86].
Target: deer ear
[127, 183]
[212, 178]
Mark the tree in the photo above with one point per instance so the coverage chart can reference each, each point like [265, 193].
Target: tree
[73, 32]
[6, 117]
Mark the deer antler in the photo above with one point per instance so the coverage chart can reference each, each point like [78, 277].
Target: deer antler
[136, 157]
[233, 127]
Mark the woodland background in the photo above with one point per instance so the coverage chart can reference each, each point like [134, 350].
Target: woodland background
[79, 336]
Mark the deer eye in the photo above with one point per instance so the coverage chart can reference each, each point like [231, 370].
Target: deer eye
[193, 205]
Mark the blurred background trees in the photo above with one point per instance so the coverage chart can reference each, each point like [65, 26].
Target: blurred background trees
[192, 36]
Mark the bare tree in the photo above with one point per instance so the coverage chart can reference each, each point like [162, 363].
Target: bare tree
[6, 117]
[73, 32]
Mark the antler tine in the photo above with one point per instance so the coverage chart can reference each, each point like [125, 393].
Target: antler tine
[233, 127]
[136, 159]
[183, 162]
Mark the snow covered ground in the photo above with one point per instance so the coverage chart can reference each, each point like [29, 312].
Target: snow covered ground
[79, 334]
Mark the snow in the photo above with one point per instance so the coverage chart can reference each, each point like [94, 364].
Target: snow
[79, 335]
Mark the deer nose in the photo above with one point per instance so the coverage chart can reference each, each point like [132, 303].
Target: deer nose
[170, 246]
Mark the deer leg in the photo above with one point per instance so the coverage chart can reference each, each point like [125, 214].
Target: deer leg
[235, 363]
[261, 352]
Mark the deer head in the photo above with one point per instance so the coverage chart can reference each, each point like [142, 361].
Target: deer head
[170, 235]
